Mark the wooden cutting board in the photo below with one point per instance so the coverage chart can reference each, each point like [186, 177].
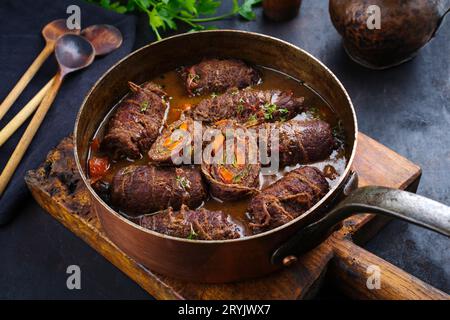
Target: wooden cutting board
[57, 187]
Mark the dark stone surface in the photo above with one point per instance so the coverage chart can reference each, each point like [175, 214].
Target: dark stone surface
[406, 108]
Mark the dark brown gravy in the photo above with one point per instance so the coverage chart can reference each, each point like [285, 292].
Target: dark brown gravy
[179, 101]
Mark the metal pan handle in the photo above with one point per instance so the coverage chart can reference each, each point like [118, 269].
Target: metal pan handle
[371, 199]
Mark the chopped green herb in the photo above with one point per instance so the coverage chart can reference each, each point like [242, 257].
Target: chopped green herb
[183, 183]
[240, 108]
[127, 170]
[144, 106]
[338, 131]
[193, 77]
[234, 163]
[269, 109]
[237, 178]
[192, 234]
[283, 110]
[315, 112]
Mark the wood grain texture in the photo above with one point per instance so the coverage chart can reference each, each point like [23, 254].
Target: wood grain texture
[57, 187]
[26, 78]
[7, 131]
[349, 268]
[28, 135]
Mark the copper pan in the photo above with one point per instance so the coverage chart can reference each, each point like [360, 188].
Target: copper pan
[231, 260]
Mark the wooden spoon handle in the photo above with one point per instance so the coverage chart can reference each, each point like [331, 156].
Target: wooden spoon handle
[23, 115]
[29, 133]
[25, 79]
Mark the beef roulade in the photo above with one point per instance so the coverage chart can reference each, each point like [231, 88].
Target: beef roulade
[176, 140]
[136, 123]
[249, 106]
[299, 141]
[234, 172]
[286, 199]
[200, 224]
[145, 189]
[216, 76]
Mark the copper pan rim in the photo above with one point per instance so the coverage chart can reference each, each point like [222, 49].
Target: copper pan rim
[81, 170]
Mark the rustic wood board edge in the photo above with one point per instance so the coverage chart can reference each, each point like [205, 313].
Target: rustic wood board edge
[57, 188]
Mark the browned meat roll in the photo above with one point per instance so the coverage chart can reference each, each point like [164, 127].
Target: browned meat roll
[248, 106]
[174, 141]
[198, 224]
[234, 171]
[299, 141]
[145, 189]
[136, 122]
[214, 75]
[286, 199]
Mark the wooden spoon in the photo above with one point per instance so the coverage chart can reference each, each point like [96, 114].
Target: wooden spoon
[104, 38]
[72, 53]
[51, 33]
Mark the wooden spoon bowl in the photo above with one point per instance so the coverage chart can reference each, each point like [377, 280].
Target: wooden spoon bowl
[55, 29]
[73, 52]
[103, 37]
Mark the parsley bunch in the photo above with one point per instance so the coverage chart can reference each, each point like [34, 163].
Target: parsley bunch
[164, 14]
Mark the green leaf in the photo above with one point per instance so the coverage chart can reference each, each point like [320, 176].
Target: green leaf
[131, 6]
[116, 6]
[190, 6]
[167, 16]
[143, 3]
[236, 7]
[246, 10]
[207, 7]
[155, 19]
[105, 4]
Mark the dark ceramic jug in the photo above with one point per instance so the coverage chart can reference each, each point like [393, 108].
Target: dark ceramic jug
[379, 34]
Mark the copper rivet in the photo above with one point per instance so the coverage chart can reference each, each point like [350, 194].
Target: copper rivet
[289, 260]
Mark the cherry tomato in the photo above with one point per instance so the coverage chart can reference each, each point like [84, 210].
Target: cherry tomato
[98, 167]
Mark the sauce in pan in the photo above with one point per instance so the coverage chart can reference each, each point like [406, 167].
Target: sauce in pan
[172, 84]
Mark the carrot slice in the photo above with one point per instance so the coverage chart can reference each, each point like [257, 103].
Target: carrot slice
[170, 144]
[226, 175]
[183, 126]
[219, 122]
